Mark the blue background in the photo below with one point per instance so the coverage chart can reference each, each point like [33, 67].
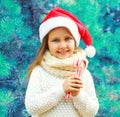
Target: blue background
[19, 43]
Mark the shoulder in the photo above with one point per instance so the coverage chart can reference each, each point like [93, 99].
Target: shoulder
[36, 71]
[36, 75]
[37, 68]
[87, 76]
[87, 72]
[39, 72]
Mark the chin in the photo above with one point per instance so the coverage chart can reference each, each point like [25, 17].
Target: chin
[63, 57]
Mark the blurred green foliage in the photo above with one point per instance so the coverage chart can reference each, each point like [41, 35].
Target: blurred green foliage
[19, 43]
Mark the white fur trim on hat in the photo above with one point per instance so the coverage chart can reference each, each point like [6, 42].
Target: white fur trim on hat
[59, 21]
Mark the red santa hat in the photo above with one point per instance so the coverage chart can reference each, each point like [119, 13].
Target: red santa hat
[58, 17]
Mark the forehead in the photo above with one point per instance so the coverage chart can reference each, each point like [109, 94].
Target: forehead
[62, 30]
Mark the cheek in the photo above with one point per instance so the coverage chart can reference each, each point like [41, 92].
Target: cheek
[72, 45]
[52, 48]
[72, 48]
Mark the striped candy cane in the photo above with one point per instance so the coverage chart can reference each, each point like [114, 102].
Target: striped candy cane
[78, 72]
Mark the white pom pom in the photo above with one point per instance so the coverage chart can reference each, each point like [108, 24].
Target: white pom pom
[90, 51]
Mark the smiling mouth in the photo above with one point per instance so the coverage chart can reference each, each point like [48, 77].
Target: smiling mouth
[63, 52]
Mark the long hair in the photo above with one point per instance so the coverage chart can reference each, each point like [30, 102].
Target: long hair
[39, 57]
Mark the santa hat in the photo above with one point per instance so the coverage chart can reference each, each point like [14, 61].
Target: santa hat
[58, 17]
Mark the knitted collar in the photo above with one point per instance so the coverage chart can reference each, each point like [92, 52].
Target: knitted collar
[61, 67]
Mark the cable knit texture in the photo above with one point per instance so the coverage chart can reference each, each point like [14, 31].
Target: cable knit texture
[62, 67]
[45, 96]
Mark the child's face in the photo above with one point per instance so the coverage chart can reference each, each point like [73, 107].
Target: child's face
[61, 43]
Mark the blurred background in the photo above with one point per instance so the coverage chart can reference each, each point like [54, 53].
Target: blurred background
[19, 44]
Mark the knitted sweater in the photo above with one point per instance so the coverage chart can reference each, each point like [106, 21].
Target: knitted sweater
[45, 96]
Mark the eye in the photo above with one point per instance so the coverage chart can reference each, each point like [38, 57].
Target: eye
[55, 40]
[68, 38]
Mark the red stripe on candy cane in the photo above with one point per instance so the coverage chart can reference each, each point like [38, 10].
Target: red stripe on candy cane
[79, 73]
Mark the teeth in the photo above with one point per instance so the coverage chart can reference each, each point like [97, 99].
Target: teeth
[63, 52]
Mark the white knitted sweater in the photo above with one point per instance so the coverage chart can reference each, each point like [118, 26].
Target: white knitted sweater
[45, 96]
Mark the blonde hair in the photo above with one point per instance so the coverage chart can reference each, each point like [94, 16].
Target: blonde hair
[40, 54]
[39, 57]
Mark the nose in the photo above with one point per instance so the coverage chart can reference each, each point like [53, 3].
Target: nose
[62, 45]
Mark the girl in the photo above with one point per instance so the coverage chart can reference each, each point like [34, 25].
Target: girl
[52, 73]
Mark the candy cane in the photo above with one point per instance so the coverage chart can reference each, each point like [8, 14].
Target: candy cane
[78, 73]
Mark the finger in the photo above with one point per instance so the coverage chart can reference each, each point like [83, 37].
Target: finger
[72, 89]
[78, 86]
[76, 81]
[75, 77]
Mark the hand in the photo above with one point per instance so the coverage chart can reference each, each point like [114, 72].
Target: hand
[73, 85]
